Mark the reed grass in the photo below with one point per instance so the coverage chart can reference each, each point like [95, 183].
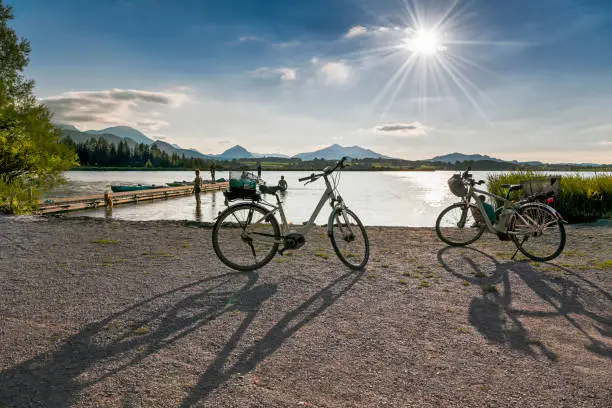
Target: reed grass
[580, 199]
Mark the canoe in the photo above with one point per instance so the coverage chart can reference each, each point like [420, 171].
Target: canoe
[120, 189]
[180, 183]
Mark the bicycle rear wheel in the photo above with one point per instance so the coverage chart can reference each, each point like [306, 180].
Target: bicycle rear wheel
[457, 226]
[246, 237]
[537, 232]
[349, 238]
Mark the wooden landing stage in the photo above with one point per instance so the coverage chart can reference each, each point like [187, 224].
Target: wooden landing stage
[66, 204]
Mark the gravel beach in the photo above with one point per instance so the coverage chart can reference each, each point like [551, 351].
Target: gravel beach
[107, 313]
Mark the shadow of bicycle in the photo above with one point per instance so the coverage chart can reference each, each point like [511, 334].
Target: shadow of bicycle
[498, 320]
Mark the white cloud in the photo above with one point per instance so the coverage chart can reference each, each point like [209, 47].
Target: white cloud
[287, 44]
[259, 39]
[335, 73]
[356, 31]
[605, 143]
[283, 73]
[409, 129]
[359, 31]
[246, 38]
[113, 107]
[287, 74]
[151, 124]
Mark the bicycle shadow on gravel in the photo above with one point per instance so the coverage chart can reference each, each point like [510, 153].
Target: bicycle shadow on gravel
[494, 316]
[217, 374]
[123, 339]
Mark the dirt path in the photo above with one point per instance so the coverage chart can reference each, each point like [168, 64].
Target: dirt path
[142, 314]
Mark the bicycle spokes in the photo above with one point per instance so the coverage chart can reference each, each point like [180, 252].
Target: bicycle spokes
[244, 237]
[537, 232]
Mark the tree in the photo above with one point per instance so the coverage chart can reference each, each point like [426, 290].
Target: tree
[31, 155]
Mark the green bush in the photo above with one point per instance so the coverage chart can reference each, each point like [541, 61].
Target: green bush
[17, 198]
[580, 199]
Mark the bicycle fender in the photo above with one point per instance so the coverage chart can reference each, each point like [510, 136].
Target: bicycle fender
[330, 221]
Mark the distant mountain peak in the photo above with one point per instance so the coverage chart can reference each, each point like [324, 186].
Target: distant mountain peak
[125, 131]
[336, 152]
[460, 157]
[66, 126]
[235, 152]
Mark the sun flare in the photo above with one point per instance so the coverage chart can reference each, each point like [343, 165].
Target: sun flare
[424, 42]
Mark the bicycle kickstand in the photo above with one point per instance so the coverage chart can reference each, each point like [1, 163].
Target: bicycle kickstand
[518, 247]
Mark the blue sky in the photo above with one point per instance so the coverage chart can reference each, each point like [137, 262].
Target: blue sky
[520, 79]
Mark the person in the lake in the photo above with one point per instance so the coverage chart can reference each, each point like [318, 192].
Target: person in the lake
[212, 173]
[197, 185]
[258, 169]
[282, 183]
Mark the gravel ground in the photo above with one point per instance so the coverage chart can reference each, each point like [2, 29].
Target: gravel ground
[103, 313]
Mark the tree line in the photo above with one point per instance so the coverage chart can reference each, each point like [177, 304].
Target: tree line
[99, 152]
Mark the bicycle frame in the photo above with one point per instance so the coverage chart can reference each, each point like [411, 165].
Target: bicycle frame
[473, 194]
[335, 200]
[507, 204]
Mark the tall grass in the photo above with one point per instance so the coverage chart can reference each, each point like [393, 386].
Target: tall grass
[580, 199]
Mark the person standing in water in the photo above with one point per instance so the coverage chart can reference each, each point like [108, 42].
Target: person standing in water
[282, 183]
[258, 170]
[212, 173]
[197, 185]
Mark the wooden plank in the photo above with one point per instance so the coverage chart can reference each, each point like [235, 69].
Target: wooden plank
[65, 204]
[64, 200]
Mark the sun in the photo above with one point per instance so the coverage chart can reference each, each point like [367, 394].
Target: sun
[424, 42]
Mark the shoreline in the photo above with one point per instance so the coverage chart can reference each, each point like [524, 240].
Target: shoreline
[585, 170]
[249, 167]
[116, 313]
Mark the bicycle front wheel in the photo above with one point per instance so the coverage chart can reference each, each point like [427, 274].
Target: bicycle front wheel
[246, 237]
[349, 238]
[457, 226]
[537, 232]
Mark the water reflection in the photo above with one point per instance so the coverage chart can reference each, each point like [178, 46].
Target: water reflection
[378, 198]
[198, 211]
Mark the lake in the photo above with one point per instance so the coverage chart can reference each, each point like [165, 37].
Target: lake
[379, 198]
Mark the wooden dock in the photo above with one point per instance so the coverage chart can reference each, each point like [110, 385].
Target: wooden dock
[109, 199]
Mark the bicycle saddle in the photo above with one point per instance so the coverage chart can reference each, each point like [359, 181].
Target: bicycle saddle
[512, 187]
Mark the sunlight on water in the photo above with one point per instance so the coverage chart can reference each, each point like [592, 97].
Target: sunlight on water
[378, 198]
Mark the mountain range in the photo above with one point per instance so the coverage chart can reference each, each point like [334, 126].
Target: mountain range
[334, 152]
[132, 137]
[460, 157]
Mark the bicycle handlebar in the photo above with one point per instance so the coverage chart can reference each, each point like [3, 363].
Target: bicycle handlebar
[312, 176]
[326, 171]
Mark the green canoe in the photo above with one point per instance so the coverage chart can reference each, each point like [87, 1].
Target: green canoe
[121, 189]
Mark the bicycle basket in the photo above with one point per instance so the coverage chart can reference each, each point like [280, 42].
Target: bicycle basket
[456, 186]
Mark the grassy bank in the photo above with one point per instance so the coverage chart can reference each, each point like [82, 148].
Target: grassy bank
[581, 199]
